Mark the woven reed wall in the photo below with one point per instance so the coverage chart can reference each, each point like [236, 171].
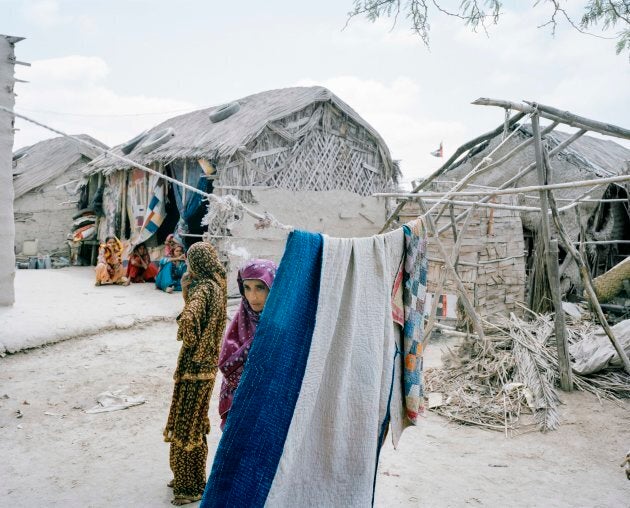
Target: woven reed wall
[316, 149]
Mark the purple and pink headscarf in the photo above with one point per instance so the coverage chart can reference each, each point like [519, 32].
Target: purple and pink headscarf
[240, 333]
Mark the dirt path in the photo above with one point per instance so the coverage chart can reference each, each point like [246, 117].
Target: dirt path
[57, 455]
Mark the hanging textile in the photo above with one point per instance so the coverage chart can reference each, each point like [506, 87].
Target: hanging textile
[137, 200]
[322, 383]
[109, 225]
[414, 295]
[156, 211]
[194, 200]
[190, 173]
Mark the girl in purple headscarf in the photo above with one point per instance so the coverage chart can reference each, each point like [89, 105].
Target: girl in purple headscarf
[254, 282]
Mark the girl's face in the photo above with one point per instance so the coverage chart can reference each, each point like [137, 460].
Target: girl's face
[178, 251]
[256, 292]
[112, 243]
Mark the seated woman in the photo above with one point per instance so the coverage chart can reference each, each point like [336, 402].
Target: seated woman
[254, 282]
[109, 269]
[140, 268]
[172, 269]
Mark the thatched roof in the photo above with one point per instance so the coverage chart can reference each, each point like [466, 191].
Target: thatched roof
[585, 159]
[196, 136]
[48, 159]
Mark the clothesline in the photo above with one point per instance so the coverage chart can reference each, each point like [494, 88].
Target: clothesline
[230, 202]
[504, 192]
[517, 208]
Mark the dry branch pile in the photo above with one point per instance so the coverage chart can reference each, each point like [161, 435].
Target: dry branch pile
[508, 381]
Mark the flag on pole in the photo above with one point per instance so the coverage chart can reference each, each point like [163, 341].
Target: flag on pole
[439, 152]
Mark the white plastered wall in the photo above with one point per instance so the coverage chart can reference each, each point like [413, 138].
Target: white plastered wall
[7, 229]
[336, 213]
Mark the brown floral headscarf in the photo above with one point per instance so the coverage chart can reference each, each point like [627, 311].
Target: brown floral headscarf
[204, 263]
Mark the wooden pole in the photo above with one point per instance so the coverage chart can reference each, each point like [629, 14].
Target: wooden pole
[551, 259]
[442, 278]
[542, 180]
[528, 168]
[558, 115]
[564, 364]
[444, 167]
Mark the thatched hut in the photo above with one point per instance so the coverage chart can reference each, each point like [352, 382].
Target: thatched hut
[595, 220]
[46, 179]
[302, 154]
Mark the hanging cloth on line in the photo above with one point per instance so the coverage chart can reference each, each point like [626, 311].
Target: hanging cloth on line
[323, 381]
[156, 211]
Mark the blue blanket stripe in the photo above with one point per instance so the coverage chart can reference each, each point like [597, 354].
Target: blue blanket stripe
[249, 451]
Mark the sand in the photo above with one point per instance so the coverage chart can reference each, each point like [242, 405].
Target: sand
[54, 454]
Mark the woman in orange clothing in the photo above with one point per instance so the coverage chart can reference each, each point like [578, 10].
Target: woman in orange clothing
[109, 269]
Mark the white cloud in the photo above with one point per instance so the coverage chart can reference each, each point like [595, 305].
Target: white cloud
[396, 111]
[68, 94]
[85, 69]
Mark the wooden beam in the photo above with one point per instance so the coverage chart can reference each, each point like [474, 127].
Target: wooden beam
[445, 167]
[558, 115]
[526, 170]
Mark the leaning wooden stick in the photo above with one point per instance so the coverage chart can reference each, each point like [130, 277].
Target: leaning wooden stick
[442, 278]
[470, 309]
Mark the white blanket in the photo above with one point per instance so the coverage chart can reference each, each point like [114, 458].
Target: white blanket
[330, 454]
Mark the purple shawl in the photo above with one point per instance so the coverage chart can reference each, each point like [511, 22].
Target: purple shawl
[240, 333]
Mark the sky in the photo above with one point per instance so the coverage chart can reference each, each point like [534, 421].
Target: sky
[114, 68]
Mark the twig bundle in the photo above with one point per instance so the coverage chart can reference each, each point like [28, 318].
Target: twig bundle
[508, 381]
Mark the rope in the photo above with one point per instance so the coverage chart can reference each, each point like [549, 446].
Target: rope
[504, 192]
[264, 220]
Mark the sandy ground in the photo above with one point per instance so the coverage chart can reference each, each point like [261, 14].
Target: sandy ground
[54, 454]
[55, 305]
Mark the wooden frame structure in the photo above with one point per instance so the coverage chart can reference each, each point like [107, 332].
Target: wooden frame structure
[547, 206]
